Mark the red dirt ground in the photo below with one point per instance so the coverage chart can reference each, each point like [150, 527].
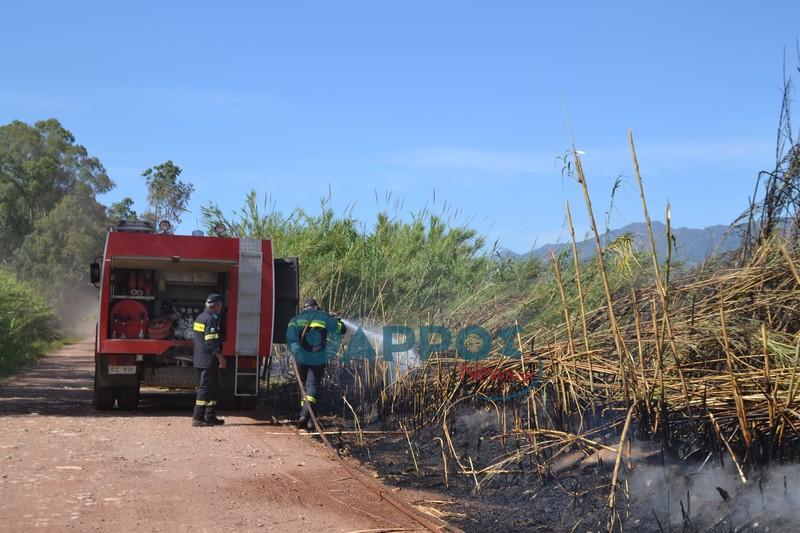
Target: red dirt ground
[66, 466]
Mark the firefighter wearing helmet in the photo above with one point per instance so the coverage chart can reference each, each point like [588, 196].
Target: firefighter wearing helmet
[313, 336]
[207, 360]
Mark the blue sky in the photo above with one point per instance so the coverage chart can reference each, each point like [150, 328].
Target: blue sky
[465, 102]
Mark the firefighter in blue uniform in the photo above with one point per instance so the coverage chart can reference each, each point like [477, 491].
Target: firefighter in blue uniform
[208, 360]
[313, 336]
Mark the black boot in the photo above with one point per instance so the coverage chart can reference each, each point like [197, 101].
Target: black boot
[303, 420]
[211, 417]
[198, 417]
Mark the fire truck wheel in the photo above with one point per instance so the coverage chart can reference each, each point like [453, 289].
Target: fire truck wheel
[103, 397]
[128, 397]
[246, 403]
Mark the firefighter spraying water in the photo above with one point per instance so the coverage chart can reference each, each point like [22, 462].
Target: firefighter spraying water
[312, 336]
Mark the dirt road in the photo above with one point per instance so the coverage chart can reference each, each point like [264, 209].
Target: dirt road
[66, 466]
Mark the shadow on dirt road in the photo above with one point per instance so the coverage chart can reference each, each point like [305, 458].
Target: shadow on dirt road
[61, 385]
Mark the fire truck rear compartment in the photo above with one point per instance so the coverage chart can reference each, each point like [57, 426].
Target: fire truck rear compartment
[160, 304]
[149, 301]
[157, 300]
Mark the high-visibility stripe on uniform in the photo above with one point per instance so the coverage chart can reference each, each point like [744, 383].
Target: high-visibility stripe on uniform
[206, 403]
[311, 399]
[211, 336]
[199, 326]
[317, 324]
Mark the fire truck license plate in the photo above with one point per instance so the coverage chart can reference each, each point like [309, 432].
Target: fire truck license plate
[121, 369]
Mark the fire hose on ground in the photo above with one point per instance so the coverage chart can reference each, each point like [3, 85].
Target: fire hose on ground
[428, 523]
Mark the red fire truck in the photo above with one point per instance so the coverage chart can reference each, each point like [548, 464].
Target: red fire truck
[152, 286]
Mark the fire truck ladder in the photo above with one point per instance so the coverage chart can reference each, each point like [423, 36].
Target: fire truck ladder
[248, 318]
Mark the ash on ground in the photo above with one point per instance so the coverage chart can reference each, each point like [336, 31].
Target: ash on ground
[658, 491]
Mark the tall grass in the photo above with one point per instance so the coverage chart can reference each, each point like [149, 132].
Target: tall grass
[431, 268]
[27, 324]
[394, 270]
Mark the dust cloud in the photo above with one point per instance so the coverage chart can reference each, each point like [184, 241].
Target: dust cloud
[77, 314]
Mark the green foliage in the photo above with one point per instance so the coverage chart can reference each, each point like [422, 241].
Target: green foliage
[39, 165]
[622, 255]
[55, 255]
[27, 323]
[395, 270]
[167, 196]
[122, 210]
[427, 269]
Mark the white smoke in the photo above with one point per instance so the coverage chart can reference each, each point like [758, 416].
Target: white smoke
[477, 422]
[712, 493]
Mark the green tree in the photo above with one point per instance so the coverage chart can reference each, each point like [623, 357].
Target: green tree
[54, 257]
[167, 196]
[39, 165]
[122, 210]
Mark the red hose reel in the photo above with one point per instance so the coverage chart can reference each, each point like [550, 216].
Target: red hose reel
[129, 320]
[160, 328]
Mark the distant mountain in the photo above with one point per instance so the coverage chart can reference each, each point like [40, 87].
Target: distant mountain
[692, 246]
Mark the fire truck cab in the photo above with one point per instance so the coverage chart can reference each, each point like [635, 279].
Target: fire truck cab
[152, 286]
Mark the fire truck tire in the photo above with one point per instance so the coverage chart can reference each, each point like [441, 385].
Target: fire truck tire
[246, 403]
[103, 397]
[128, 398]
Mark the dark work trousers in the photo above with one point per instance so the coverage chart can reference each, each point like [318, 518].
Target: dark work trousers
[208, 379]
[311, 378]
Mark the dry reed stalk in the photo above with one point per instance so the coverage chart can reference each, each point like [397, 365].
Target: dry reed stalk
[581, 299]
[790, 262]
[659, 373]
[792, 385]
[410, 447]
[789, 394]
[564, 305]
[615, 477]
[737, 395]
[654, 255]
[728, 447]
[640, 348]
[618, 341]
[359, 432]
[474, 475]
[571, 437]
[529, 396]
[444, 463]
[660, 288]
[767, 377]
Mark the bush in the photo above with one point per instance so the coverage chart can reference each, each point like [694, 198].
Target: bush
[27, 324]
